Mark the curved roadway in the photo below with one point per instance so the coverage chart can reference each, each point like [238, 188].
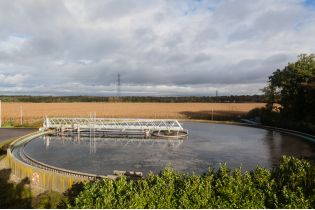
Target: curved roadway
[9, 133]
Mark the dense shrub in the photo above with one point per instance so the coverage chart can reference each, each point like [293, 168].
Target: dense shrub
[275, 119]
[289, 185]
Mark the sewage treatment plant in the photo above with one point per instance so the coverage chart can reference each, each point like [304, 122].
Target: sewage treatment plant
[66, 150]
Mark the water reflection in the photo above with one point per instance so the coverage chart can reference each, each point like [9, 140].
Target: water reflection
[95, 142]
[284, 144]
[46, 139]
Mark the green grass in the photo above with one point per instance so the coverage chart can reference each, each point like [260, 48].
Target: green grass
[13, 124]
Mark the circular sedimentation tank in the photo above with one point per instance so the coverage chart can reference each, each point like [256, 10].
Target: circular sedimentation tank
[206, 145]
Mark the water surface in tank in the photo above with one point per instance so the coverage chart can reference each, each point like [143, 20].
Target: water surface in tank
[207, 145]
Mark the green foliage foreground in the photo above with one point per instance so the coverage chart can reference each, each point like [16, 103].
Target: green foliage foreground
[289, 185]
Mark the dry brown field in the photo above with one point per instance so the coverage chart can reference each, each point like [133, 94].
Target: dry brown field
[35, 112]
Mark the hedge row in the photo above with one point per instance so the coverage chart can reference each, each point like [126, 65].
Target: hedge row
[289, 185]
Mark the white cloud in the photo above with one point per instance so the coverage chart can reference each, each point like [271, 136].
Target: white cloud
[159, 47]
[16, 79]
[12, 44]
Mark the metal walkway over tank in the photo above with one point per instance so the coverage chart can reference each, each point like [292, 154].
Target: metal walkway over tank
[122, 125]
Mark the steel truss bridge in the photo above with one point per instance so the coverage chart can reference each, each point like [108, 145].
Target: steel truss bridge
[120, 125]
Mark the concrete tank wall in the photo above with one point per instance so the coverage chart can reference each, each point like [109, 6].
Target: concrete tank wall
[39, 178]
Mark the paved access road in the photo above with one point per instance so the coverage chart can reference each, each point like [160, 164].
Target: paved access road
[8, 133]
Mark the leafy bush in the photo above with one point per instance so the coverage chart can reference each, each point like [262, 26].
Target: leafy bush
[273, 118]
[289, 185]
[47, 200]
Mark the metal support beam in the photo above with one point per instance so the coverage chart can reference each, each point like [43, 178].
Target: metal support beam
[110, 124]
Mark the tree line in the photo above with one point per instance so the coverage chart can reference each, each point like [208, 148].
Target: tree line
[157, 99]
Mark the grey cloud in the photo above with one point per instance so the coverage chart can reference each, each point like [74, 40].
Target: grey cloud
[201, 57]
[207, 34]
[247, 71]
[111, 9]
[269, 22]
[178, 47]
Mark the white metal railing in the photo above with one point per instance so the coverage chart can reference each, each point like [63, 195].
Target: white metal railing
[113, 124]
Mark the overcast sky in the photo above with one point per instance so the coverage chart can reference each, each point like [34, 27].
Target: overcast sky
[175, 47]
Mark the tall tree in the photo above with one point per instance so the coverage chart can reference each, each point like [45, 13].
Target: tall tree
[287, 87]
